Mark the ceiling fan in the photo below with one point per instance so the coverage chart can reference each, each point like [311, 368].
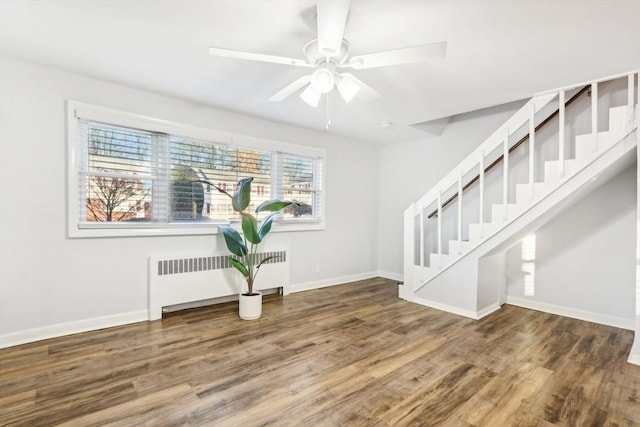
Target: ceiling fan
[329, 53]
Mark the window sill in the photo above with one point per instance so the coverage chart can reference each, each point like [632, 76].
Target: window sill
[154, 230]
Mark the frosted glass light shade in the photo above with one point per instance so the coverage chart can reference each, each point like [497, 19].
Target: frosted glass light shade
[347, 89]
[322, 80]
[311, 96]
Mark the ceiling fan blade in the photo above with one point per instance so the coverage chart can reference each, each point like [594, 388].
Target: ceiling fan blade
[291, 89]
[366, 93]
[332, 18]
[236, 54]
[407, 55]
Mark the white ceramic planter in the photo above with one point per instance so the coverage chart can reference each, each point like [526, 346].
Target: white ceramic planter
[250, 306]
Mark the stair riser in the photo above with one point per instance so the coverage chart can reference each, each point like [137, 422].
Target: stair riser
[523, 192]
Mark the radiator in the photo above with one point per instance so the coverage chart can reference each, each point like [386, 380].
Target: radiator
[196, 277]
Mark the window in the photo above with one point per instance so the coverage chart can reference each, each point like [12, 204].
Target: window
[298, 184]
[132, 175]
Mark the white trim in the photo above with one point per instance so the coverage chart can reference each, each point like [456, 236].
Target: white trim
[122, 118]
[343, 280]
[402, 292]
[398, 277]
[488, 310]
[182, 229]
[446, 307]
[69, 328]
[634, 353]
[574, 313]
[634, 357]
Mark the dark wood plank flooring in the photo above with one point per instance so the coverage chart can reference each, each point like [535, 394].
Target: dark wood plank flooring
[350, 355]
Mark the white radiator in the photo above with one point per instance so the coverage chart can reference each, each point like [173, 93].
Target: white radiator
[195, 277]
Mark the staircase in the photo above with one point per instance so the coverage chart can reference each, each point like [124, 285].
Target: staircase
[508, 187]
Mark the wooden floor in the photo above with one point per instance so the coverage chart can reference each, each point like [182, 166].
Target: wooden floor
[352, 355]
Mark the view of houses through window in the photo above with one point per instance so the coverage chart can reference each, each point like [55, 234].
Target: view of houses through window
[132, 175]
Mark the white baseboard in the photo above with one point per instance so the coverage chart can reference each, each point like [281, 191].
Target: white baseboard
[307, 286]
[398, 277]
[634, 358]
[488, 310]
[448, 308]
[61, 329]
[574, 313]
[634, 354]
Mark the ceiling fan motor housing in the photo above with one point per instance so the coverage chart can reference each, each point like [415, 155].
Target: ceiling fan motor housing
[314, 56]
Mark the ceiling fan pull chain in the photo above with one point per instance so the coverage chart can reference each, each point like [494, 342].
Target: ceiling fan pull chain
[328, 112]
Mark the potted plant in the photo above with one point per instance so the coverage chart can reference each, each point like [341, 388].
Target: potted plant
[245, 247]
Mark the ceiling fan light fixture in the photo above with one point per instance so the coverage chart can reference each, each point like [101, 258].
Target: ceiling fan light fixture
[347, 89]
[323, 80]
[311, 96]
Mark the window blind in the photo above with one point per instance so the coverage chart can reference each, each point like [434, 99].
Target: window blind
[131, 177]
[117, 175]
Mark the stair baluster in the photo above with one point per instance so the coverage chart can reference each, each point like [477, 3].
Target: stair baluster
[459, 214]
[532, 149]
[561, 130]
[505, 175]
[594, 115]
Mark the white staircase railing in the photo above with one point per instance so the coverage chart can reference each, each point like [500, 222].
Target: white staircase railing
[425, 256]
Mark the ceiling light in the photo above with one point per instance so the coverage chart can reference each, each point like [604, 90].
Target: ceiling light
[322, 80]
[347, 89]
[311, 96]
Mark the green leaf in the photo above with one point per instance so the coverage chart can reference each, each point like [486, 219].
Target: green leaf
[250, 228]
[274, 205]
[265, 227]
[239, 266]
[234, 241]
[265, 260]
[242, 196]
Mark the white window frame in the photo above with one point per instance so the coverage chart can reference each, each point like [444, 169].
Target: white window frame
[78, 110]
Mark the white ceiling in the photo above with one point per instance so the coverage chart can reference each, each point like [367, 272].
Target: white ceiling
[498, 51]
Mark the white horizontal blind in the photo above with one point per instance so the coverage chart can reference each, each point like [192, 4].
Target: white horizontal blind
[299, 181]
[117, 176]
[192, 162]
[132, 178]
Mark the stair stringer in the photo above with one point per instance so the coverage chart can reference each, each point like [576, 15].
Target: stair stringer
[471, 286]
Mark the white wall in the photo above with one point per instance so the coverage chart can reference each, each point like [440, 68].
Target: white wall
[585, 258]
[409, 170]
[48, 279]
